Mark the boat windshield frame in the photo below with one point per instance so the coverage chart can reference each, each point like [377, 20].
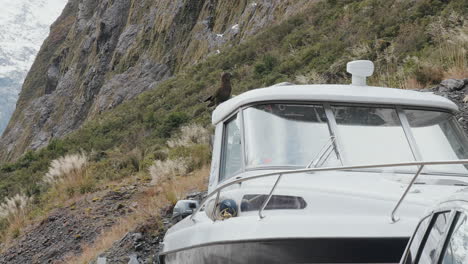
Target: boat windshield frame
[333, 127]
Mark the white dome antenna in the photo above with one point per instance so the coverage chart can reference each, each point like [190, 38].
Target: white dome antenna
[360, 70]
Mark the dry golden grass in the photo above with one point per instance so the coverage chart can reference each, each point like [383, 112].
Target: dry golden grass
[13, 230]
[456, 57]
[150, 202]
[411, 83]
[190, 135]
[68, 176]
[169, 168]
[105, 240]
[14, 210]
[447, 59]
[456, 72]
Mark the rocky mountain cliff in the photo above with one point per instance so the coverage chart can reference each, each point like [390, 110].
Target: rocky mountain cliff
[101, 53]
[24, 26]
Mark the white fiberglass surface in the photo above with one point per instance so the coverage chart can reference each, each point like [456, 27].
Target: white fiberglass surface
[285, 135]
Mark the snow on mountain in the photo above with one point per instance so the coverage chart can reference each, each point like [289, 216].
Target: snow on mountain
[24, 24]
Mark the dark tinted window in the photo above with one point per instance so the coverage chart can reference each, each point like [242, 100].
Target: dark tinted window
[436, 233]
[253, 202]
[456, 251]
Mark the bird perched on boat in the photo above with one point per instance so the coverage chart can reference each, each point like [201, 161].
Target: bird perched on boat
[223, 93]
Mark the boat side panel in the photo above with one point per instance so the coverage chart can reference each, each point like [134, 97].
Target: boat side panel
[325, 250]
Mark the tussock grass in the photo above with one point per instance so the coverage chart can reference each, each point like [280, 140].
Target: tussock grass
[150, 204]
[167, 169]
[66, 168]
[68, 176]
[182, 158]
[13, 214]
[14, 206]
[190, 135]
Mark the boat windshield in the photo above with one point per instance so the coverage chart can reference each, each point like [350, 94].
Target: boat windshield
[438, 137]
[286, 135]
[292, 135]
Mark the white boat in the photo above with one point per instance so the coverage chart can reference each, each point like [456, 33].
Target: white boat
[318, 173]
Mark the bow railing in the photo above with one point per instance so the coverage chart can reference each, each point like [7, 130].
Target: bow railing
[283, 173]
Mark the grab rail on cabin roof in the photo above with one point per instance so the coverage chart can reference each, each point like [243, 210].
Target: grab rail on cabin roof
[282, 173]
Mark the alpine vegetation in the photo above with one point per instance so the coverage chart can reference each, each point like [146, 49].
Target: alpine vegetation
[192, 134]
[183, 153]
[66, 167]
[68, 175]
[14, 207]
[13, 214]
[169, 168]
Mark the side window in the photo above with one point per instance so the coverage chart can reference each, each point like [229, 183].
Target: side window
[416, 241]
[433, 239]
[231, 156]
[456, 251]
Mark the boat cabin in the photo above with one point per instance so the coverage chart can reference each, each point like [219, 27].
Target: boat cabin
[298, 170]
[286, 127]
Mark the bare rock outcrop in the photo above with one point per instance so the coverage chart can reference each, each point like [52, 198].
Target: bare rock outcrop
[457, 91]
[66, 230]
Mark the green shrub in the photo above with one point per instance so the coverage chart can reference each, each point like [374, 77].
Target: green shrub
[266, 65]
[171, 123]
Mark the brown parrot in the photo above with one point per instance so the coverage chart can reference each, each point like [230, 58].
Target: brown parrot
[223, 93]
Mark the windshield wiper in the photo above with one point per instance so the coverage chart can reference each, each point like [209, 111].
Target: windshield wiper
[323, 155]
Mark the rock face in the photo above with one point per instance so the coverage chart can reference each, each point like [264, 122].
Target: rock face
[452, 84]
[101, 53]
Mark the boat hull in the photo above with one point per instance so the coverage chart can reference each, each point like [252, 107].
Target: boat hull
[317, 250]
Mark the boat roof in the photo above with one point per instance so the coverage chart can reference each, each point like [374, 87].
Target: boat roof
[333, 93]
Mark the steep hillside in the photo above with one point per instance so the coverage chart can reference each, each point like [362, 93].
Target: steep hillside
[414, 44]
[101, 53]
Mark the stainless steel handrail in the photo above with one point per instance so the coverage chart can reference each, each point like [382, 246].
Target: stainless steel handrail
[413, 180]
[282, 173]
[326, 147]
[260, 212]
